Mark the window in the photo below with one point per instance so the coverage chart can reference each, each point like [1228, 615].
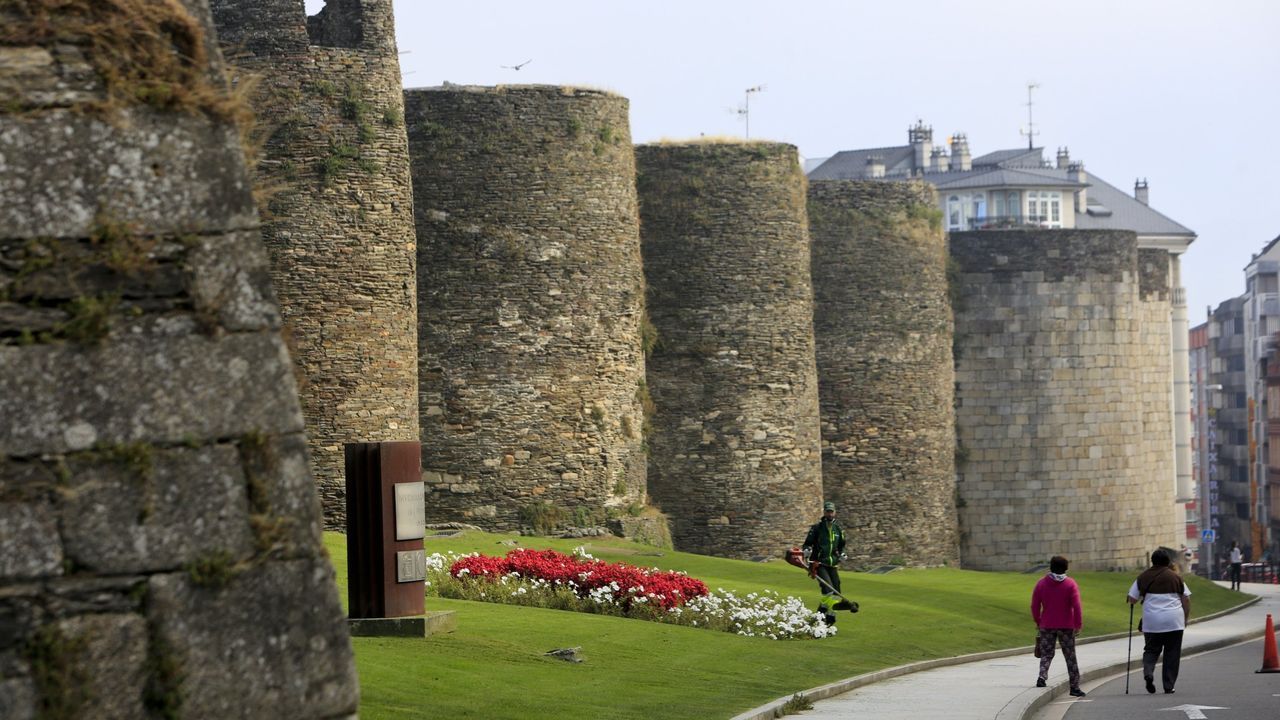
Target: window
[1242, 510]
[1235, 363]
[1237, 327]
[997, 202]
[1240, 400]
[1015, 205]
[979, 206]
[953, 212]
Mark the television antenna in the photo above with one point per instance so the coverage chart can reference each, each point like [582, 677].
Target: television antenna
[1031, 131]
[745, 111]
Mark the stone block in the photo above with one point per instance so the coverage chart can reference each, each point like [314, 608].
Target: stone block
[271, 643]
[120, 518]
[17, 699]
[113, 658]
[166, 172]
[29, 542]
[60, 397]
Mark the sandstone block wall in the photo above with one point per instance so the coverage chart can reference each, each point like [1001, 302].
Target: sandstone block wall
[160, 550]
[734, 455]
[1061, 449]
[883, 328]
[339, 220]
[531, 303]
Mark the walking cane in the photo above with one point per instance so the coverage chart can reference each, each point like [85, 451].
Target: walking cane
[1129, 654]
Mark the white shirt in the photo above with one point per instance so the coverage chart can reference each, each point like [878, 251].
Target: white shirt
[1161, 612]
[1236, 555]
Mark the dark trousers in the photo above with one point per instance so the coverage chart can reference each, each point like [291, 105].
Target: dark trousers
[831, 575]
[1171, 644]
[1067, 639]
[1235, 576]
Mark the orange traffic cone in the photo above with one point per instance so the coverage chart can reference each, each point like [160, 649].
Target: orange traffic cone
[1270, 660]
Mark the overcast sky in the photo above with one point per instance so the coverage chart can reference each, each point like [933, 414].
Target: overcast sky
[1184, 93]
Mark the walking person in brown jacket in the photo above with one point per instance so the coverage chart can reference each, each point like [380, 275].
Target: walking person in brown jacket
[1166, 607]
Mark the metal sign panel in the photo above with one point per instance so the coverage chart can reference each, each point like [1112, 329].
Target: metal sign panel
[1207, 536]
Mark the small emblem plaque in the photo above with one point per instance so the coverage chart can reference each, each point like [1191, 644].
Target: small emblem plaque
[411, 566]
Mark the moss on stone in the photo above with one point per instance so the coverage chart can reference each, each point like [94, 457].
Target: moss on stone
[61, 676]
[214, 569]
[146, 52]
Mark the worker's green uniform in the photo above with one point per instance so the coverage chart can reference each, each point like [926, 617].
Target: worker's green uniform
[825, 542]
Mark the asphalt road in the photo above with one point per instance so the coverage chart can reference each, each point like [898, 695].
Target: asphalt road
[1223, 679]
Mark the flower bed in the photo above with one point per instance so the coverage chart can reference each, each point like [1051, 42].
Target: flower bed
[579, 582]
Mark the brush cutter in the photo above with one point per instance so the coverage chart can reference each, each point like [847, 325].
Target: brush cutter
[796, 556]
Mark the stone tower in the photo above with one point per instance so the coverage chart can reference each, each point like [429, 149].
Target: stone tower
[156, 505]
[339, 221]
[531, 296]
[734, 454]
[1063, 392]
[883, 327]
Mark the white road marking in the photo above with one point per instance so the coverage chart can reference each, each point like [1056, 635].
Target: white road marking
[1194, 711]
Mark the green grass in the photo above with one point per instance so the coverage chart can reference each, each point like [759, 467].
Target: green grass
[493, 665]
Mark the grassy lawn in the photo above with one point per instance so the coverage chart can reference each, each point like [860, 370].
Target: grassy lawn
[493, 665]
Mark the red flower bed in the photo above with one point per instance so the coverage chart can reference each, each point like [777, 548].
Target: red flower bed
[665, 588]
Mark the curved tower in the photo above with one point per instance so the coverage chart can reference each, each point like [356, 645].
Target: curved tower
[883, 328]
[531, 304]
[1063, 400]
[338, 216]
[156, 506]
[734, 454]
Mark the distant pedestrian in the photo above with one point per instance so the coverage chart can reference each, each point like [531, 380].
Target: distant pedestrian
[1235, 559]
[1166, 607]
[824, 547]
[1056, 609]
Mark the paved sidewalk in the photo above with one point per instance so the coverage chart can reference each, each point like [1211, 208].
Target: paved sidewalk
[1001, 685]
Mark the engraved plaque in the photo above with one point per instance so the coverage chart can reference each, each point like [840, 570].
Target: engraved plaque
[411, 566]
[411, 511]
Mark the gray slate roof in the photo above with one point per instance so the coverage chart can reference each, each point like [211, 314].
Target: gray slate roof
[1001, 177]
[851, 164]
[1019, 157]
[1126, 213]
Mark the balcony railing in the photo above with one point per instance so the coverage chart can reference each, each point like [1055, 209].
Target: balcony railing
[1006, 222]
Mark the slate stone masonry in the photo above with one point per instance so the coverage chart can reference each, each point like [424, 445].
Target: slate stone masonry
[160, 551]
[339, 220]
[530, 297]
[883, 327]
[734, 454]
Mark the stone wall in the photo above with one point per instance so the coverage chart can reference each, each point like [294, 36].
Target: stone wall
[1054, 393]
[531, 295]
[339, 221]
[734, 454]
[882, 322]
[1155, 362]
[160, 550]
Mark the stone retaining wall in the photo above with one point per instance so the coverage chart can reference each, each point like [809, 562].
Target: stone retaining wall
[531, 304]
[734, 454]
[339, 220]
[882, 321]
[160, 550]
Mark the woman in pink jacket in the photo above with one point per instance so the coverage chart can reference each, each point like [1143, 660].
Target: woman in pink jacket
[1055, 606]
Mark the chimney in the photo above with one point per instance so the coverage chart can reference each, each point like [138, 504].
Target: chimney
[1140, 191]
[1076, 173]
[938, 161]
[875, 167]
[920, 136]
[960, 159]
[1064, 158]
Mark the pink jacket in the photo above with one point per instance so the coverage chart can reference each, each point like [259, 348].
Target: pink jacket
[1056, 605]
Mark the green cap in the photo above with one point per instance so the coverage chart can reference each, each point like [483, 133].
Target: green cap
[828, 505]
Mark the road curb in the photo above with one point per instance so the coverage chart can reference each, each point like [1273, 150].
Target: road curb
[1036, 697]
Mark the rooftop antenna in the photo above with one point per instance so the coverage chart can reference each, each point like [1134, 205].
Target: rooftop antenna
[745, 110]
[1030, 132]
